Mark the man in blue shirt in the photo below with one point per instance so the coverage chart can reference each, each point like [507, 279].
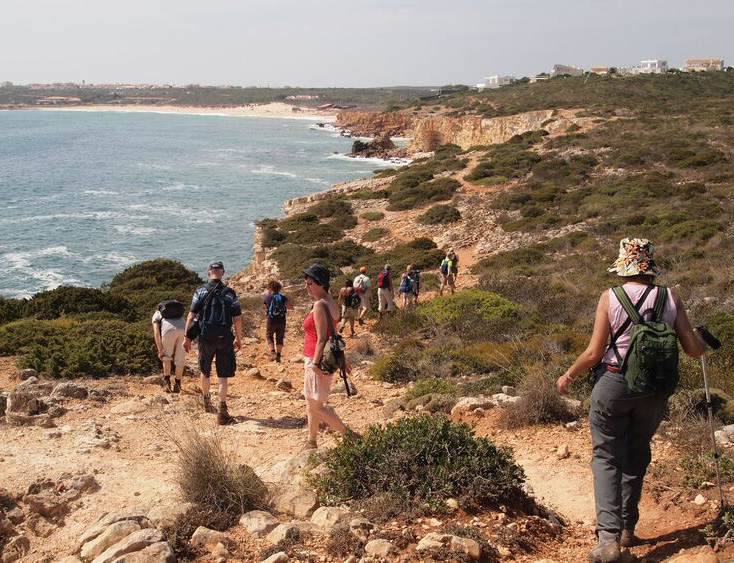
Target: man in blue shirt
[217, 307]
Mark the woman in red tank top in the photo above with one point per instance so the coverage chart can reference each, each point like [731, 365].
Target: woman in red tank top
[317, 383]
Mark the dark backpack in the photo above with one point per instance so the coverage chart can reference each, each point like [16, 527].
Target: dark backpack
[383, 280]
[216, 316]
[277, 308]
[352, 300]
[171, 309]
[445, 266]
[651, 363]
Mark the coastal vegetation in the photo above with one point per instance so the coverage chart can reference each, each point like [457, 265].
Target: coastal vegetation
[75, 331]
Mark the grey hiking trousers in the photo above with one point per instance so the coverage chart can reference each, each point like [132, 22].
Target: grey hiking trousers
[622, 426]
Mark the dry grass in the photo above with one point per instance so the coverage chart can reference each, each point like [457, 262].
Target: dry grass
[210, 476]
[540, 402]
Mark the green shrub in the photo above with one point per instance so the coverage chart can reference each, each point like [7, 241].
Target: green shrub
[395, 367]
[343, 222]
[367, 194]
[12, 309]
[427, 458]
[373, 235]
[440, 214]
[315, 234]
[431, 385]
[694, 231]
[408, 196]
[372, 215]
[70, 300]
[468, 303]
[97, 349]
[331, 207]
[699, 468]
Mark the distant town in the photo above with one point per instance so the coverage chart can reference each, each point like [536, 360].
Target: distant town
[74, 93]
[649, 66]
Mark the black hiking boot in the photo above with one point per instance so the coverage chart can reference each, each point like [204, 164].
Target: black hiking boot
[208, 407]
[277, 358]
[223, 417]
[166, 383]
[177, 386]
[273, 356]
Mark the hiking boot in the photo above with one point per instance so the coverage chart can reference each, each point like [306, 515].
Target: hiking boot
[166, 383]
[277, 358]
[208, 407]
[273, 355]
[607, 550]
[223, 417]
[309, 445]
[629, 539]
[177, 386]
[361, 322]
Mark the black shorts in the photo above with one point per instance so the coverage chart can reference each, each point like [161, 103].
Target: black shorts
[275, 330]
[220, 348]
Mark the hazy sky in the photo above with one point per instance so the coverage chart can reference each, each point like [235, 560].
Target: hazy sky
[347, 42]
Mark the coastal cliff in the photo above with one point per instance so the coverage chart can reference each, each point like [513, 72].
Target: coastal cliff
[429, 131]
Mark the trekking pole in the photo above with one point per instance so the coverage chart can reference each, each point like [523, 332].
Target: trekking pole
[714, 343]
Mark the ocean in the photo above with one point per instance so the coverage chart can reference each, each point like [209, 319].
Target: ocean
[86, 194]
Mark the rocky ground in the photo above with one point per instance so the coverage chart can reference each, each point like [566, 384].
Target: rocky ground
[89, 470]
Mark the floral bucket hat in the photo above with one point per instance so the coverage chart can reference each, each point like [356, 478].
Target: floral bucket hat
[635, 258]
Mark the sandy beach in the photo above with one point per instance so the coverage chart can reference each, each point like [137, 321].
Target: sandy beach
[275, 109]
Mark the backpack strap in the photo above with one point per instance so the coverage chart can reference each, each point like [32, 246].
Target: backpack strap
[330, 321]
[661, 300]
[624, 298]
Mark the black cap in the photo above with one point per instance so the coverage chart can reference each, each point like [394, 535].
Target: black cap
[320, 273]
[216, 265]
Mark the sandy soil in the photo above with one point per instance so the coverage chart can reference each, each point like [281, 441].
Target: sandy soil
[275, 109]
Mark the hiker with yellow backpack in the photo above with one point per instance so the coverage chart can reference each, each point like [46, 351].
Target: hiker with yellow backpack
[635, 374]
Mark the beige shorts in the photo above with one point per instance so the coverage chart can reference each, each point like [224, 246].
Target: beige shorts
[173, 347]
[366, 302]
[316, 384]
[384, 299]
[348, 312]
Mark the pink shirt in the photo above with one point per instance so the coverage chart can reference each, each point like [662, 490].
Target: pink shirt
[311, 337]
[617, 316]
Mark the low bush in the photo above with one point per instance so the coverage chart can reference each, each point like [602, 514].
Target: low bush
[539, 402]
[372, 215]
[396, 367]
[373, 235]
[439, 215]
[433, 385]
[427, 459]
[372, 194]
[332, 207]
[210, 476]
[409, 196]
[699, 468]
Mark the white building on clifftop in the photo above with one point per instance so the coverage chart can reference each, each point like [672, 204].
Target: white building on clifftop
[571, 70]
[497, 80]
[702, 65]
[650, 66]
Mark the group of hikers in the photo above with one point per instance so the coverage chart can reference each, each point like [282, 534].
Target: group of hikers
[633, 352]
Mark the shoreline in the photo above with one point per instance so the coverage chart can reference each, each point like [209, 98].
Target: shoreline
[272, 110]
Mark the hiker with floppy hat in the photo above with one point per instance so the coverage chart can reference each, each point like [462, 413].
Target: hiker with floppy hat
[214, 309]
[318, 326]
[639, 371]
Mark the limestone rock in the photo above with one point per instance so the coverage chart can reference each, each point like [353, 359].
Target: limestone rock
[258, 523]
[136, 541]
[468, 404]
[15, 549]
[280, 557]
[210, 539]
[159, 552]
[24, 374]
[254, 373]
[466, 546]
[729, 431]
[40, 526]
[152, 380]
[509, 390]
[361, 528]
[71, 390]
[282, 532]
[22, 402]
[297, 501]
[700, 500]
[452, 504]
[102, 523]
[326, 516]
[722, 438]
[70, 559]
[113, 534]
[432, 541]
[502, 399]
[15, 515]
[379, 548]
[166, 514]
[341, 388]
[562, 452]
[131, 406]
[284, 385]
[393, 406]
[703, 555]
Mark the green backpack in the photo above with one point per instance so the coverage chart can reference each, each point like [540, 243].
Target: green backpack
[651, 363]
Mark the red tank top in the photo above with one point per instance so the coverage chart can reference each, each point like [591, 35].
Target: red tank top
[310, 337]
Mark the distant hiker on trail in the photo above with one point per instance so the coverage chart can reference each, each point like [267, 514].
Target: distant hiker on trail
[169, 328]
[454, 263]
[363, 285]
[415, 275]
[631, 389]
[385, 292]
[406, 289]
[276, 309]
[215, 308]
[317, 331]
[349, 301]
[447, 273]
